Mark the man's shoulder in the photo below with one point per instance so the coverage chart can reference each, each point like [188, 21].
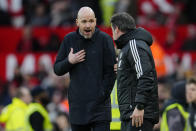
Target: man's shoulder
[140, 44]
[70, 35]
[104, 35]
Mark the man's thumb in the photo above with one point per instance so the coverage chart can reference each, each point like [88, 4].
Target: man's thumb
[71, 51]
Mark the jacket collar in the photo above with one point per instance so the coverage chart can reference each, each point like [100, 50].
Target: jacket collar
[124, 39]
[138, 34]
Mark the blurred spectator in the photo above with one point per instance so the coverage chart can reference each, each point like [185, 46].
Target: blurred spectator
[62, 84]
[107, 7]
[61, 13]
[180, 67]
[122, 5]
[175, 115]
[9, 92]
[18, 78]
[54, 43]
[37, 116]
[173, 40]
[170, 39]
[29, 8]
[154, 12]
[15, 9]
[41, 72]
[191, 98]
[14, 114]
[62, 122]
[64, 106]
[129, 6]
[28, 43]
[54, 106]
[187, 8]
[164, 94]
[159, 58]
[40, 16]
[6, 95]
[190, 42]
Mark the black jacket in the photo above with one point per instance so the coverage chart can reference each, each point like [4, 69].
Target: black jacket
[137, 79]
[92, 80]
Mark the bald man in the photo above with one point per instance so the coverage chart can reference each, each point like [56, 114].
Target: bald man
[88, 55]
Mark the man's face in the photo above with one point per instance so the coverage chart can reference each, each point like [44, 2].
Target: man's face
[27, 97]
[86, 24]
[191, 93]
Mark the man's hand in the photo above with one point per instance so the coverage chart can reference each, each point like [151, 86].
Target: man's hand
[77, 57]
[137, 117]
[115, 68]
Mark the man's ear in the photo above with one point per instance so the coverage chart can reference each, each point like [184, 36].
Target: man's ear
[116, 29]
[77, 23]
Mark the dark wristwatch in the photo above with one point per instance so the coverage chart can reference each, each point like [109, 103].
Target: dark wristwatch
[140, 106]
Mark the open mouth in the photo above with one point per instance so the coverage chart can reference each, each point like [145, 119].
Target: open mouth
[87, 31]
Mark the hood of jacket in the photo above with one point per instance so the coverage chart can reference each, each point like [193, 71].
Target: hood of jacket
[138, 34]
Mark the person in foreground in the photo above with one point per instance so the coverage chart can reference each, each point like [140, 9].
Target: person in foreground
[175, 114]
[14, 114]
[191, 98]
[37, 118]
[136, 75]
[88, 55]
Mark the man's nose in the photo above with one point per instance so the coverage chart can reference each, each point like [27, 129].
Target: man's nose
[87, 24]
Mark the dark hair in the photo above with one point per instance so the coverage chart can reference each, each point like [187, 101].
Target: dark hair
[123, 21]
[191, 80]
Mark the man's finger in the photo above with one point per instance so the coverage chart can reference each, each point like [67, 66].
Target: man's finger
[81, 60]
[133, 122]
[136, 122]
[142, 120]
[140, 123]
[81, 56]
[81, 51]
[115, 67]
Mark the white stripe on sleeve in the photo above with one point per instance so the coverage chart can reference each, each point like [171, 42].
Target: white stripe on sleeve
[136, 58]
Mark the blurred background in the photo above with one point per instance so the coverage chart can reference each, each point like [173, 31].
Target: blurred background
[31, 32]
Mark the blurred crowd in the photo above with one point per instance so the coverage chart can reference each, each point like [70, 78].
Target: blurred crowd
[55, 88]
[56, 13]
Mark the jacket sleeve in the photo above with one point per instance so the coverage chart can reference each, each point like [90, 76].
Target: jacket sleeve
[62, 64]
[145, 78]
[109, 59]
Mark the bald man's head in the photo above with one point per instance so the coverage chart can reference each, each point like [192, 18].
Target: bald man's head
[86, 22]
[23, 93]
[85, 11]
